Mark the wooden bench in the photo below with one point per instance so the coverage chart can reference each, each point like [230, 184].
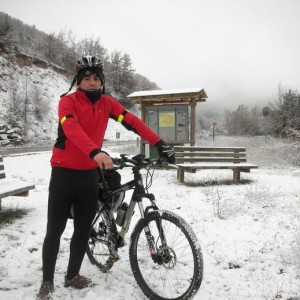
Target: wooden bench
[193, 158]
[12, 187]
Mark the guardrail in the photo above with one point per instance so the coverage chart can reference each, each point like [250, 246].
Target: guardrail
[6, 151]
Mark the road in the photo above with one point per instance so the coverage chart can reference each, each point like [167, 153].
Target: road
[7, 151]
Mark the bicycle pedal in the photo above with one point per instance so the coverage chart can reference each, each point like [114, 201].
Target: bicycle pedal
[114, 259]
[114, 255]
[109, 263]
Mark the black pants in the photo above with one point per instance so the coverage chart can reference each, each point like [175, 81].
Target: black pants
[69, 187]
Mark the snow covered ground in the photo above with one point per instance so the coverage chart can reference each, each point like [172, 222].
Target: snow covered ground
[249, 232]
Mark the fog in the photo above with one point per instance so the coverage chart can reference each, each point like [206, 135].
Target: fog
[238, 51]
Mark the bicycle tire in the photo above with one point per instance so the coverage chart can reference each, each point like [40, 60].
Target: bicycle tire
[99, 249]
[178, 277]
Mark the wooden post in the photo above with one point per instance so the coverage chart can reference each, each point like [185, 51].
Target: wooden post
[236, 175]
[180, 174]
[193, 122]
[143, 116]
[214, 128]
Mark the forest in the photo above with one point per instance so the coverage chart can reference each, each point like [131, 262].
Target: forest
[63, 50]
[280, 118]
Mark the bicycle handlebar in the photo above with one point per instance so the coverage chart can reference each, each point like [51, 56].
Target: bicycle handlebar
[140, 160]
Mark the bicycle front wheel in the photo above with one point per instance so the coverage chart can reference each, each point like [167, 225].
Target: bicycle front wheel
[176, 270]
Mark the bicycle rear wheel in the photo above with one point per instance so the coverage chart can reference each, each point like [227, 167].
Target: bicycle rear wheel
[101, 249]
[178, 270]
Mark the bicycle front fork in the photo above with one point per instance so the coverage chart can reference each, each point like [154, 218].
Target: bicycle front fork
[156, 256]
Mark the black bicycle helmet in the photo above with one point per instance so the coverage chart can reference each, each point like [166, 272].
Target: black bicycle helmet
[89, 61]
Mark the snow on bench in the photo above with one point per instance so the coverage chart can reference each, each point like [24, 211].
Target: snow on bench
[12, 187]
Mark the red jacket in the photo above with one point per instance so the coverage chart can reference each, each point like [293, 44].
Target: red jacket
[82, 126]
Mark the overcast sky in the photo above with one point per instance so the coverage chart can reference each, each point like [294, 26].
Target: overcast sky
[237, 50]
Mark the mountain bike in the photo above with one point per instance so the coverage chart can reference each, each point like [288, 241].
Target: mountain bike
[164, 252]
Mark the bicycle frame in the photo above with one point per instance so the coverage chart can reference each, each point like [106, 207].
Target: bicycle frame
[137, 198]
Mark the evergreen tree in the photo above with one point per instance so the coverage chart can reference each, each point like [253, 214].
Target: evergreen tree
[285, 112]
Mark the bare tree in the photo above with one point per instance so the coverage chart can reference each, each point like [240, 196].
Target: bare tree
[15, 111]
[244, 121]
[40, 104]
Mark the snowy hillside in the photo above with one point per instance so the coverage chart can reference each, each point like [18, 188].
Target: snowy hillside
[27, 78]
[24, 77]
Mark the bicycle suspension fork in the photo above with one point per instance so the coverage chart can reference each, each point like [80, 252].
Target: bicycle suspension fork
[149, 236]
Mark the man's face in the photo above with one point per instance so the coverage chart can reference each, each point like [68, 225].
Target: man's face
[90, 82]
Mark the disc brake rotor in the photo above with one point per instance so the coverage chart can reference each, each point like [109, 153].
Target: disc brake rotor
[168, 257]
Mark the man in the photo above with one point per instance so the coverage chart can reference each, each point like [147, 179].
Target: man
[83, 117]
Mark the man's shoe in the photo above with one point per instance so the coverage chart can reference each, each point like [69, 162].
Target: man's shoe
[45, 291]
[78, 282]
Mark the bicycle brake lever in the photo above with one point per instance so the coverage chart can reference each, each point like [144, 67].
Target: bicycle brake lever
[119, 163]
[163, 163]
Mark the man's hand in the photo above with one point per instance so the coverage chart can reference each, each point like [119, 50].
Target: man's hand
[104, 161]
[166, 151]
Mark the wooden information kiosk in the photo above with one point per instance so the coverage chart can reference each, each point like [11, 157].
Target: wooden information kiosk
[170, 113]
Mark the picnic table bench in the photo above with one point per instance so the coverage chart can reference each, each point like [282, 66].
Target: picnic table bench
[12, 187]
[192, 158]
